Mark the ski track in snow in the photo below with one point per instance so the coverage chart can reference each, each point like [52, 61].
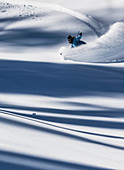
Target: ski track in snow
[65, 115]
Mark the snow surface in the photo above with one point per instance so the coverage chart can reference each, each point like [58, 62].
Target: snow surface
[108, 48]
[61, 112]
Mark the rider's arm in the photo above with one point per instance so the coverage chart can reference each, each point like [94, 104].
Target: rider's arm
[79, 36]
[72, 45]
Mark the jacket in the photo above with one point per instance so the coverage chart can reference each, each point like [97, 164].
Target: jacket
[76, 41]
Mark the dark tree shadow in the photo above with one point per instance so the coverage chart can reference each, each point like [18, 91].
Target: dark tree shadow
[106, 112]
[28, 162]
[57, 80]
[28, 37]
[32, 37]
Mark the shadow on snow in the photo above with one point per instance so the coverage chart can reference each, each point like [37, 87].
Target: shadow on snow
[28, 162]
[28, 37]
[59, 80]
[54, 131]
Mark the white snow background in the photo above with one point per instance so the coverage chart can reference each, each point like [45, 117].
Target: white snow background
[61, 112]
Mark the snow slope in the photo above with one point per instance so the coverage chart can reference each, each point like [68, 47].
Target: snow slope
[61, 113]
[108, 48]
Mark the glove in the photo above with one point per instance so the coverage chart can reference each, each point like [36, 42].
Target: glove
[80, 33]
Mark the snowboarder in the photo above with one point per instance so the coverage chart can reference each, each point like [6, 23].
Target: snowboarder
[75, 41]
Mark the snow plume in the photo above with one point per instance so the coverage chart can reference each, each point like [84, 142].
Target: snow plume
[96, 26]
[107, 48]
[114, 38]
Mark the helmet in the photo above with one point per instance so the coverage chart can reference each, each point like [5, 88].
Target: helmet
[70, 39]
